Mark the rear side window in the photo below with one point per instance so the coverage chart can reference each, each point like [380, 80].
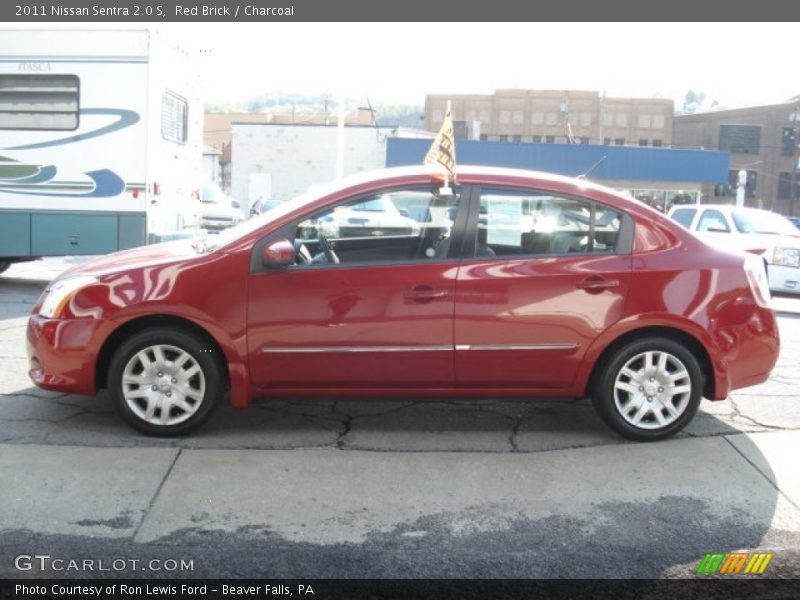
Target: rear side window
[48, 102]
[531, 223]
[174, 117]
[684, 216]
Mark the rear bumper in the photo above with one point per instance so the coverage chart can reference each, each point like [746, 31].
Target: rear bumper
[749, 352]
[61, 353]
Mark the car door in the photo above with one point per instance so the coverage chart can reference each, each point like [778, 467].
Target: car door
[381, 317]
[548, 274]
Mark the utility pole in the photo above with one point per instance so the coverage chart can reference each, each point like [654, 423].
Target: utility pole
[795, 158]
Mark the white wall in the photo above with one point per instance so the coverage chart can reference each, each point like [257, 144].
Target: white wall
[296, 156]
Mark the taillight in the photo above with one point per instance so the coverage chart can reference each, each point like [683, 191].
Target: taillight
[756, 272]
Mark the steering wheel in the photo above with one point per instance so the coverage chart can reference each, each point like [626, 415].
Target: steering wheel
[327, 249]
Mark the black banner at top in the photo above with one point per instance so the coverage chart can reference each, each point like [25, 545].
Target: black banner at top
[155, 11]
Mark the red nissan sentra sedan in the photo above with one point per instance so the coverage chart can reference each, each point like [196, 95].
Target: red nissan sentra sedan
[512, 283]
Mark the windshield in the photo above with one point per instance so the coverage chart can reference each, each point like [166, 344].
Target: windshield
[757, 221]
[232, 234]
[212, 194]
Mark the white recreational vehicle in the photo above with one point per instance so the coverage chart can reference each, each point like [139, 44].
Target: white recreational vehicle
[100, 142]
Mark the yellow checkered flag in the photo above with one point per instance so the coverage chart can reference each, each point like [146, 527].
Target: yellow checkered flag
[443, 149]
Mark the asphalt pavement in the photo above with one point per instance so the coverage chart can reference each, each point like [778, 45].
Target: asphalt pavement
[328, 488]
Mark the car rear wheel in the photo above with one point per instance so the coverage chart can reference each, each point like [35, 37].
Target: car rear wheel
[649, 389]
[165, 382]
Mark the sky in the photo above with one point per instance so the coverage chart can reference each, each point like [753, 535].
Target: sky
[736, 64]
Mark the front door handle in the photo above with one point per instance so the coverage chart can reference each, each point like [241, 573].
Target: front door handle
[424, 293]
[596, 284]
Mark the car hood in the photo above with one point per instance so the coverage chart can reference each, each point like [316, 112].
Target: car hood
[145, 256]
[753, 241]
[217, 211]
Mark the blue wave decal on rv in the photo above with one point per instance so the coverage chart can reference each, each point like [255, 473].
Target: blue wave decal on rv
[125, 118]
[44, 174]
[106, 183]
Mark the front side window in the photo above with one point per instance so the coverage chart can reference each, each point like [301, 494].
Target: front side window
[531, 223]
[174, 118]
[393, 226]
[48, 102]
[713, 220]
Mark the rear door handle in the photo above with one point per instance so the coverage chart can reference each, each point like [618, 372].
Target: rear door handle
[425, 293]
[596, 283]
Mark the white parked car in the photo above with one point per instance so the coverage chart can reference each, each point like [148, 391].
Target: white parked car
[218, 211]
[768, 234]
[377, 217]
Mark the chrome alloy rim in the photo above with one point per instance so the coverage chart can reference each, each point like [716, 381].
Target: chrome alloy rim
[163, 385]
[652, 389]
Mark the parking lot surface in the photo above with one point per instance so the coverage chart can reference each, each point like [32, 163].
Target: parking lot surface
[402, 488]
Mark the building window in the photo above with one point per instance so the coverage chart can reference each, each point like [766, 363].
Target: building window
[516, 117]
[644, 121]
[619, 141]
[561, 139]
[486, 116]
[516, 139]
[644, 142]
[785, 185]
[505, 117]
[658, 143]
[606, 141]
[607, 120]
[537, 139]
[550, 139]
[740, 139]
[586, 119]
[658, 121]
[484, 137]
[787, 142]
[537, 117]
[504, 138]
[174, 118]
[621, 120]
[494, 138]
[551, 118]
[584, 140]
[48, 102]
[749, 187]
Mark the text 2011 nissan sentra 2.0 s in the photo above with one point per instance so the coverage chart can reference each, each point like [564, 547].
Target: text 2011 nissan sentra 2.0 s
[514, 283]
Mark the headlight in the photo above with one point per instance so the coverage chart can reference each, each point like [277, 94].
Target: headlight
[60, 292]
[786, 257]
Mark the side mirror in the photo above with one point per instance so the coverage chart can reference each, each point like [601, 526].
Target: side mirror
[403, 212]
[235, 204]
[279, 253]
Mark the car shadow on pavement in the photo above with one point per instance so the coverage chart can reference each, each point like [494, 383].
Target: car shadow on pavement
[588, 504]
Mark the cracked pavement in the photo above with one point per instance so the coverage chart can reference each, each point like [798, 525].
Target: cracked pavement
[400, 488]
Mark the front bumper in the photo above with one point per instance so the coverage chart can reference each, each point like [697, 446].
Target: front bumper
[784, 279]
[62, 353]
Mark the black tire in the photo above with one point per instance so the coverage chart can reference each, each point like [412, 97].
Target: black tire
[4, 264]
[605, 401]
[203, 405]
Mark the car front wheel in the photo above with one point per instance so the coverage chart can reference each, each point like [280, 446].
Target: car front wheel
[649, 389]
[165, 382]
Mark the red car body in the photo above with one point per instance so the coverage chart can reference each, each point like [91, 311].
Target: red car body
[574, 307]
